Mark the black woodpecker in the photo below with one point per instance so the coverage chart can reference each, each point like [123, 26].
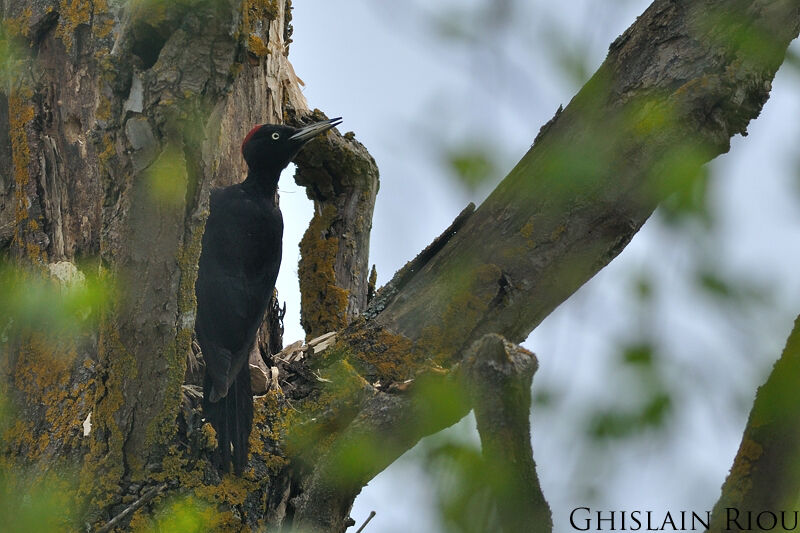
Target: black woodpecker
[239, 262]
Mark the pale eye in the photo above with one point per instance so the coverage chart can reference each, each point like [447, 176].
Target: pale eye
[276, 136]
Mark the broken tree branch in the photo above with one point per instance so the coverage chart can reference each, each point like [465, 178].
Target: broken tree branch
[674, 89]
[499, 376]
[370, 517]
[143, 500]
[341, 178]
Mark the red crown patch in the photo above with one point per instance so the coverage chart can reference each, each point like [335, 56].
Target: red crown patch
[249, 136]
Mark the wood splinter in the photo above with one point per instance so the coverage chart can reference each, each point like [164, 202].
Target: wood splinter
[143, 499]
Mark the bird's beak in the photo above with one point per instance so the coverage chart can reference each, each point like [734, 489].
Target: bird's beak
[306, 133]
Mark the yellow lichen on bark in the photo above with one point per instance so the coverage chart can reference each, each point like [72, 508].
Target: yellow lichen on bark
[230, 492]
[269, 412]
[103, 111]
[20, 114]
[749, 453]
[469, 294]
[389, 357]
[105, 464]
[43, 373]
[21, 25]
[73, 13]
[256, 14]
[161, 428]
[526, 231]
[256, 45]
[324, 304]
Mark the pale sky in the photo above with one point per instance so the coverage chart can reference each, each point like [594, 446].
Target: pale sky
[406, 93]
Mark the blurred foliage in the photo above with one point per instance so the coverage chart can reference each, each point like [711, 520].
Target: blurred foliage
[462, 487]
[572, 58]
[40, 302]
[651, 401]
[617, 423]
[473, 166]
[11, 52]
[456, 25]
[643, 288]
[168, 177]
[182, 515]
[445, 400]
[686, 182]
[44, 501]
[732, 292]
[53, 303]
[545, 397]
[470, 25]
[43, 507]
[730, 30]
[436, 401]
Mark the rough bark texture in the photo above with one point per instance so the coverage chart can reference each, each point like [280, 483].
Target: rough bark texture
[342, 179]
[765, 476]
[372, 426]
[122, 117]
[679, 83]
[675, 87]
[118, 100]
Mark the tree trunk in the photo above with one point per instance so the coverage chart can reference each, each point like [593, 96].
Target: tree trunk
[119, 120]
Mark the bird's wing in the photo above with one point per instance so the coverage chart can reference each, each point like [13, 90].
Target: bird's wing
[238, 266]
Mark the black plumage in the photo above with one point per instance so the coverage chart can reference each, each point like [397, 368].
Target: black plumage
[239, 263]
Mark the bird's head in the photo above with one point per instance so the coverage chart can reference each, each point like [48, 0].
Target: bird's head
[271, 147]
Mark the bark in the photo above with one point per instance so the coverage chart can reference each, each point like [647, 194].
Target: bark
[500, 376]
[115, 96]
[765, 478]
[7, 221]
[675, 87]
[120, 119]
[342, 179]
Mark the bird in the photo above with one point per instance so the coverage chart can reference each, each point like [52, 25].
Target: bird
[239, 261]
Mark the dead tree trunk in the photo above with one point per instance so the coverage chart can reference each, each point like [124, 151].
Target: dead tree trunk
[119, 118]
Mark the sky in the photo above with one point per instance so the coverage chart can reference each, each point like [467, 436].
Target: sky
[411, 91]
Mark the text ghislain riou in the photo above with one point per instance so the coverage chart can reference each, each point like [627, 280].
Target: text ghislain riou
[584, 519]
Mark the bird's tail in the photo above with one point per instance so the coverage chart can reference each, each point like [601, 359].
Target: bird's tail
[232, 419]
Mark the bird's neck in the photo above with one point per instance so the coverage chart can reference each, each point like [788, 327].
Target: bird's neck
[262, 183]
